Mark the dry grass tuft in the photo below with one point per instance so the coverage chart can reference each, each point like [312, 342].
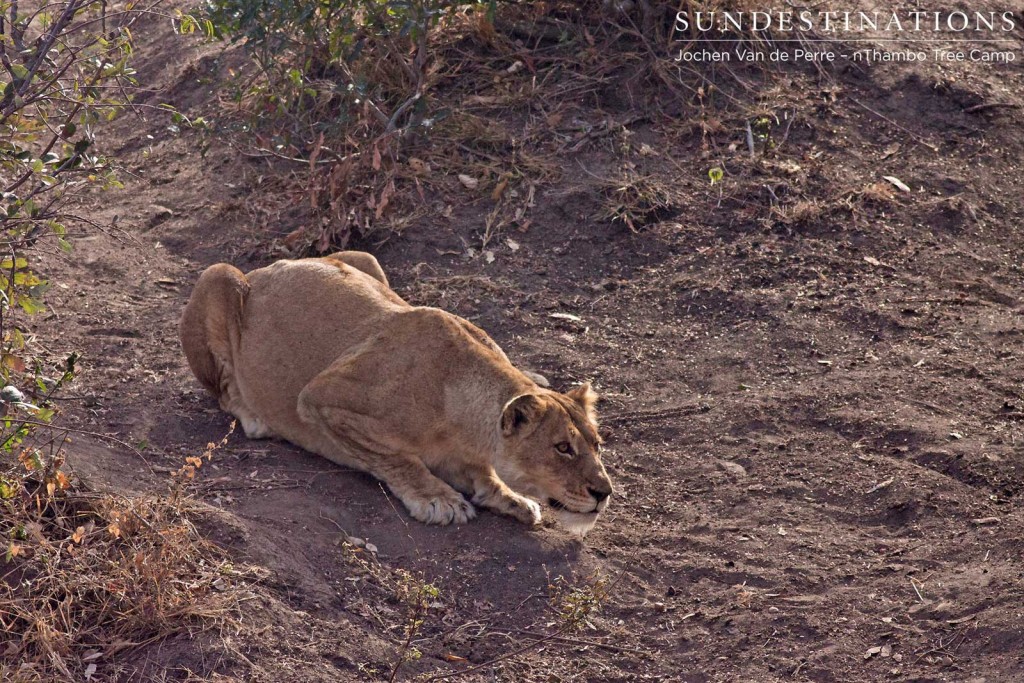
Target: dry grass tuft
[88, 576]
[640, 200]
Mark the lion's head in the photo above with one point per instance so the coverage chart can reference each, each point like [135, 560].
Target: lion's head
[552, 453]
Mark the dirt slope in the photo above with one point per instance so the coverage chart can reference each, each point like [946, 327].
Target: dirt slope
[812, 386]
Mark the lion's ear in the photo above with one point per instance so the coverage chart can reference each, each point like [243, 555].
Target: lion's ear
[585, 395]
[518, 412]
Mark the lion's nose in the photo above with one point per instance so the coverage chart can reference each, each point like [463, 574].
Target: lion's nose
[599, 494]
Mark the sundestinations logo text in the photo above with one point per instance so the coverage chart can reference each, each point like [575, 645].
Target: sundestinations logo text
[858, 36]
[847, 22]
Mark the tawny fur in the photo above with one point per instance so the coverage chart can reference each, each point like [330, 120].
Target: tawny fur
[323, 353]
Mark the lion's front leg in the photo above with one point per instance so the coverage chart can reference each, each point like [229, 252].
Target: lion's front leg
[358, 440]
[491, 492]
[427, 498]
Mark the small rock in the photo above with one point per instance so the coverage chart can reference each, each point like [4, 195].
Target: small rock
[733, 468]
[11, 394]
[985, 521]
[881, 485]
[160, 214]
[418, 166]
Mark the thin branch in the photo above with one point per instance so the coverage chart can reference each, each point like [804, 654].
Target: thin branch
[494, 661]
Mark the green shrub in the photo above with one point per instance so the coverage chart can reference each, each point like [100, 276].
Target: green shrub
[325, 58]
[340, 86]
[63, 65]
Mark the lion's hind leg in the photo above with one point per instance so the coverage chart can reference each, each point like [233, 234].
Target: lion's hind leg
[210, 333]
[360, 260]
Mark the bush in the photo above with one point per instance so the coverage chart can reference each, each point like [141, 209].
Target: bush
[64, 65]
[341, 84]
[89, 575]
[84, 575]
[325, 57]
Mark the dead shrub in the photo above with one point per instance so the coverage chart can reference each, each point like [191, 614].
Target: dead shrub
[88, 575]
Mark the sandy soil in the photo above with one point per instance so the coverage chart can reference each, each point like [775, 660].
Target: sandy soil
[812, 411]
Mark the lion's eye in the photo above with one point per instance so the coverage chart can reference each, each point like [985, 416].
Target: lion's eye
[564, 448]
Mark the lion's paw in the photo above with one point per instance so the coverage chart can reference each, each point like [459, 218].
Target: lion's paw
[533, 508]
[255, 428]
[443, 509]
[523, 509]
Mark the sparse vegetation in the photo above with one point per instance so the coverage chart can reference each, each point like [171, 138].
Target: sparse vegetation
[65, 65]
[341, 87]
[416, 595]
[87, 576]
[64, 69]
[84, 575]
[576, 602]
[639, 200]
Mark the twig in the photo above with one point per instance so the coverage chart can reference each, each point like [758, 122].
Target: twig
[321, 514]
[916, 590]
[992, 105]
[750, 140]
[893, 123]
[581, 641]
[494, 661]
[526, 600]
[785, 133]
[393, 122]
[299, 160]
[689, 409]
[98, 435]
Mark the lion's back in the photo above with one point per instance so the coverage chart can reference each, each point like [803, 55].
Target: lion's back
[299, 317]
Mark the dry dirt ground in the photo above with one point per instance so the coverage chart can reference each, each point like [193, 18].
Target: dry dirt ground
[812, 384]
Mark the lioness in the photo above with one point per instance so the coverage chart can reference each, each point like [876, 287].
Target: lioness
[323, 353]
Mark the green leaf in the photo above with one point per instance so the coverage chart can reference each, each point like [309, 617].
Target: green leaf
[715, 174]
[30, 305]
[26, 279]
